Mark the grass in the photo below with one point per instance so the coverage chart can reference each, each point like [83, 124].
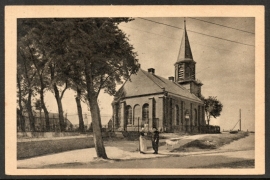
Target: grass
[235, 165]
[211, 141]
[37, 148]
[207, 142]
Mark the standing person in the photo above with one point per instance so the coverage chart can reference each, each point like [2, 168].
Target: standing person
[143, 146]
[155, 140]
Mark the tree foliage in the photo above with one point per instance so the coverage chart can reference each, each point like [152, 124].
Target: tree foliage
[84, 54]
[212, 107]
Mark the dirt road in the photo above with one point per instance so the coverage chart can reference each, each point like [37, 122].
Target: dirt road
[238, 154]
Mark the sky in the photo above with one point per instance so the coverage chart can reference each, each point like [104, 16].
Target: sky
[226, 68]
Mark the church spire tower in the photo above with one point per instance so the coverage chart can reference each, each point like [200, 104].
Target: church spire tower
[185, 71]
[185, 50]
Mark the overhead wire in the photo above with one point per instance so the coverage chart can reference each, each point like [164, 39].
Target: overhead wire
[178, 39]
[221, 25]
[196, 32]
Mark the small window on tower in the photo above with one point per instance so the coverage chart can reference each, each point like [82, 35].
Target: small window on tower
[188, 73]
[181, 71]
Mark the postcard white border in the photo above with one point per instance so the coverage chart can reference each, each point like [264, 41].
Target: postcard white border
[14, 12]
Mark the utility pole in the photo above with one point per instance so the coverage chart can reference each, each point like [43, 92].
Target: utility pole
[240, 118]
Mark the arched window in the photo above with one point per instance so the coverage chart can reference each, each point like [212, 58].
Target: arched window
[203, 115]
[145, 112]
[118, 115]
[187, 117]
[136, 114]
[176, 115]
[129, 114]
[191, 115]
[182, 111]
[199, 115]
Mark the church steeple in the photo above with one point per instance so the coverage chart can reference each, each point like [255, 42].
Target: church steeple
[185, 66]
[185, 50]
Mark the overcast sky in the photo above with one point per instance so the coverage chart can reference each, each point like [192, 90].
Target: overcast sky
[226, 69]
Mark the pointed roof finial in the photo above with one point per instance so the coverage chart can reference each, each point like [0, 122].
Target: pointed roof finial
[185, 50]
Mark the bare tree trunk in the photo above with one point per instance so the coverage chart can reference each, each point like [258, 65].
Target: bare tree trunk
[96, 122]
[79, 108]
[46, 113]
[42, 87]
[43, 106]
[30, 113]
[95, 114]
[58, 100]
[60, 108]
[22, 120]
[29, 105]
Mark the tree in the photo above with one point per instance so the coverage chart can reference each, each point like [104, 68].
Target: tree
[79, 107]
[45, 42]
[26, 81]
[77, 83]
[101, 50]
[29, 43]
[89, 50]
[212, 107]
[20, 103]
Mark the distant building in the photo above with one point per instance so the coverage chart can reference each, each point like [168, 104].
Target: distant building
[40, 124]
[110, 125]
[171, 105]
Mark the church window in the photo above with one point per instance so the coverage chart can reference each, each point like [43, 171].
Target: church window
[137, 114]
[191, 117]
[129, 114]
[182, 112]
[145, 113]
[199, 115]
[176, 114]
[195, 117]
[202, 115]
[119, 114]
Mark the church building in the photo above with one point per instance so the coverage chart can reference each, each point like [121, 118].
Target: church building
[171, 105]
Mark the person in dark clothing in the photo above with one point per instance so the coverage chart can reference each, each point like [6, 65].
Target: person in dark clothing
[155, 140]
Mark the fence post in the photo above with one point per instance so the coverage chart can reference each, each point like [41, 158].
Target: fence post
[138, 124]
[148, 124]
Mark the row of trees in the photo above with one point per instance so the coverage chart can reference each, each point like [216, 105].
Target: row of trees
[85, 55]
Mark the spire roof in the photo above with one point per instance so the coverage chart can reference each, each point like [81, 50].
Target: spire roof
[185, 50]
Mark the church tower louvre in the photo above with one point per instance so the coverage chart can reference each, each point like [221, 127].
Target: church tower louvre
[185, 67]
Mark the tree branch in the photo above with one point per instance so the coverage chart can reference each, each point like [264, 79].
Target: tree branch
[102, 83]
[29, 79]
[62, 94]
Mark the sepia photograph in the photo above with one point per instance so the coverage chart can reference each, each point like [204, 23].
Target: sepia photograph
[122, 91]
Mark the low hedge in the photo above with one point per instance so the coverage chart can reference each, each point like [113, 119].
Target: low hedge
[37, 148]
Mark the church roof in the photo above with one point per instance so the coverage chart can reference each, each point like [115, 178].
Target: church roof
[145, 83]
[185, 50]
